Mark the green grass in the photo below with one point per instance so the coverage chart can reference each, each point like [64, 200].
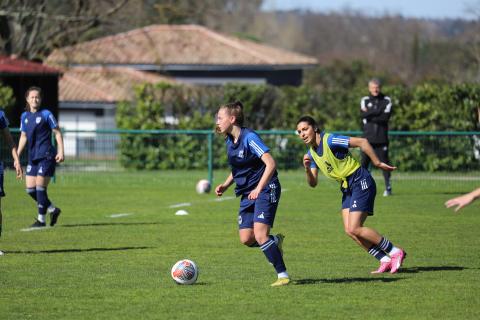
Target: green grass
[93, 266]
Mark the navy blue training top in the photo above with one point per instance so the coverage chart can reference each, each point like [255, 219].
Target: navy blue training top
[38, 128]
[244, 158]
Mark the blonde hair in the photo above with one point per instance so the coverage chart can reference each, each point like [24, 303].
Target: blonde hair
[235, 109]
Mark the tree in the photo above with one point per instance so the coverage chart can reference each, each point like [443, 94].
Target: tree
[32, 28]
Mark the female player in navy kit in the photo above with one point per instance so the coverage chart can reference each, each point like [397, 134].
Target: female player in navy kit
[330, 153]
[254, 173]
[36, 127]
[16, 162]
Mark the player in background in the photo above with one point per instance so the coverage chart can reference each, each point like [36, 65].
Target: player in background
[375, 110]
[464, 200]
[16, 162]
[255, 175]
[330, 153]
[36, 127]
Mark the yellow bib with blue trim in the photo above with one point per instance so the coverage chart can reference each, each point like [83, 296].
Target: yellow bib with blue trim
[331, 166]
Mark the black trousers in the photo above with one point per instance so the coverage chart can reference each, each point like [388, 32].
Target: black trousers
[381, 150]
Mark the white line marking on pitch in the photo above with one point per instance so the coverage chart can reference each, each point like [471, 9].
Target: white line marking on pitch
[34, 229]
[119, 215]
[178, 205]
[223, 199]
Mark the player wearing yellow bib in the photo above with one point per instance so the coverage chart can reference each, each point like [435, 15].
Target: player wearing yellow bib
[330, 153]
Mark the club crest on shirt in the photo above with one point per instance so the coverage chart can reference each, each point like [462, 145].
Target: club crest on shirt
[38, 119]
[26, 121]
[240, 154]
[329, 167]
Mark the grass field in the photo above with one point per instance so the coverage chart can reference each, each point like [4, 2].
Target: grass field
[95, 265]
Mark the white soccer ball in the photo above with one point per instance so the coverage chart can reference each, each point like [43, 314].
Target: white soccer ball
[185, 272]
[203, 186]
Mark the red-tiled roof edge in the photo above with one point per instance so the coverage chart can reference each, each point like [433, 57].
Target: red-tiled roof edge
[228, 40]
[12, 65]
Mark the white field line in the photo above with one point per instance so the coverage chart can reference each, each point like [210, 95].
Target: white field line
[179, 205]
[219, 199]
[119, 215]
[34, 229]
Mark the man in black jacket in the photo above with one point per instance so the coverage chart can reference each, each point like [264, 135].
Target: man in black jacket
[376, 109]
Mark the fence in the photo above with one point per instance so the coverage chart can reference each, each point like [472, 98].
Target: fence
[448, 154]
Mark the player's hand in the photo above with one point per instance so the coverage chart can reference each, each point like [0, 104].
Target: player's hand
[253, 195]
[59, 157]
[306, 161]
[459, 202]
[386, 167]
[220, 189]
[18, 170]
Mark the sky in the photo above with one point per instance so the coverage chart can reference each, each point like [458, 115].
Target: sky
[435, 9]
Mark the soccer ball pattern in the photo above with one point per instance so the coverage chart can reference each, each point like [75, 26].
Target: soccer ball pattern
[185, 272]
[203, 186]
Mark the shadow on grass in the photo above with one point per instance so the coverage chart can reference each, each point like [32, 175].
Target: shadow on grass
[76, 250]
[344, 280]
[101, 224]
[428, 269]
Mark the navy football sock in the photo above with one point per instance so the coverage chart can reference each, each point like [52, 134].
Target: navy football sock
[42, 200]
[385, 245]
[377, 252]
[273, 255]
[32, 192]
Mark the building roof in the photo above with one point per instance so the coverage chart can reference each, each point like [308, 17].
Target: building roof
[93, 84]
[162, 45]
[11, 65]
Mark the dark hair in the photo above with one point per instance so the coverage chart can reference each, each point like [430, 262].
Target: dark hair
[235, 109]
[39, 90]
[310, 121]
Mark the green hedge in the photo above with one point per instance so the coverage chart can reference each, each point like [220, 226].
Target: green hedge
[428, 107]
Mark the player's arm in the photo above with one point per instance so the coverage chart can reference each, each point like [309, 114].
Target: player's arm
[22, 142]
[463, 200]
[311, 173]
[60, 148]
[365, 146]
[221, 188]
[270, 167]
[16, 161]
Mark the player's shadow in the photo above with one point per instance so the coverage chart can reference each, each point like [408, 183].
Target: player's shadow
[344, 280]
[103, 224]
[75, 250]
[429, 269]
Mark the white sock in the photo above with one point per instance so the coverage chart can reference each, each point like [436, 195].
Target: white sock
[51, 207]
[41, 218]
[394, 250]
[385, 259]
[283, 275]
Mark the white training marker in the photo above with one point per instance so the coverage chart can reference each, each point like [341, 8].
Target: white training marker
[179, 205]
[119, 215]
[181, 213]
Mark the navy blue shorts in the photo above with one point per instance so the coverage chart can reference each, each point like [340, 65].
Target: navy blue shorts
[2, 191]
[43, 167]
[361, 192]
[262, 209]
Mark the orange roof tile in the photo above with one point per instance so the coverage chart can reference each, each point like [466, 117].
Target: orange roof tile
[103, 84]
[175, 44]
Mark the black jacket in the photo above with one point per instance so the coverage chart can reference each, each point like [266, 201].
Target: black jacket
[375, 118]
